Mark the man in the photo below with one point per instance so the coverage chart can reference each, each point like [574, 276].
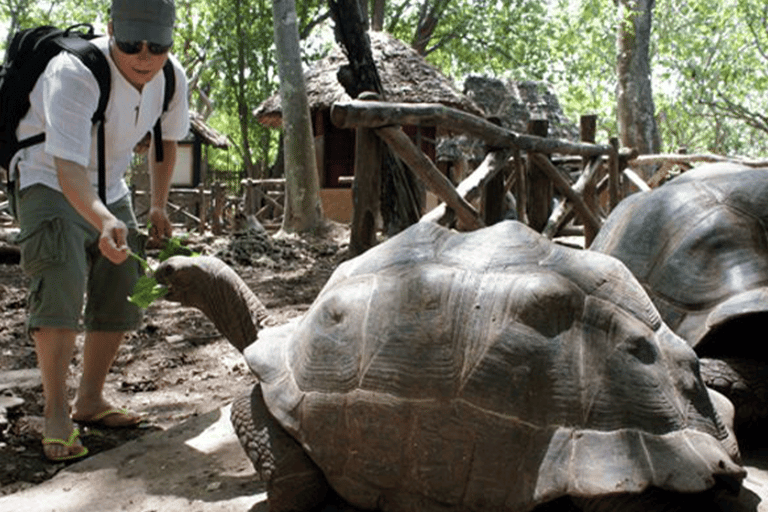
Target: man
[73, 244]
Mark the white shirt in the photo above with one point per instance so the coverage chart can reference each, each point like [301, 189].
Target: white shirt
[62, 104]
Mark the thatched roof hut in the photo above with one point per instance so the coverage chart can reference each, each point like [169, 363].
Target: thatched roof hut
[208, 135]
[405, 76]
[514, 103]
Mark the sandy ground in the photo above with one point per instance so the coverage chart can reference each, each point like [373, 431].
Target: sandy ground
[195, 466]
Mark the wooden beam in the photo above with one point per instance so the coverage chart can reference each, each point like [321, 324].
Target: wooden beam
[636, 180]
[376, 114]
[181, 210]
[587, 216]
[268, 199]
[471, 188]
[563, 210]
[683, 159]
[423, 167]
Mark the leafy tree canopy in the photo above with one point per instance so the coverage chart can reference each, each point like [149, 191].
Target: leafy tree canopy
[708, 59]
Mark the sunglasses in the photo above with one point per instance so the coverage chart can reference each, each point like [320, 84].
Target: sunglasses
[134, 47]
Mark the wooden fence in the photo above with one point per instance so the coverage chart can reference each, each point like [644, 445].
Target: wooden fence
[521, 163]
[530, 166]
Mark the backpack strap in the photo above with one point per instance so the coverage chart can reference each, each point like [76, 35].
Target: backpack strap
[170, 90]
[97, 63]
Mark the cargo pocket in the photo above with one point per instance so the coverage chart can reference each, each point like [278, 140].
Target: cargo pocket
[43, 246]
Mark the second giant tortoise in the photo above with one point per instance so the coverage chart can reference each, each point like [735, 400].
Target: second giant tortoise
[699, 246]
[483, 371]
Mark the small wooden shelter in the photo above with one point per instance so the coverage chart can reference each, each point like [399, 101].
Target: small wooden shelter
[406, 78]
[191, 160]
[191, 164]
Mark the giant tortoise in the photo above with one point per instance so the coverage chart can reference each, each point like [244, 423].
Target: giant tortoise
[482, 371]
[699, 247]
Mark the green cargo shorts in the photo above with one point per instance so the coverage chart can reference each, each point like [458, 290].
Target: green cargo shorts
[59, 251]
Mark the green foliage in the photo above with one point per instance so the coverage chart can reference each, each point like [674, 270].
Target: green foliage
[709, 75]
[147, 289]
[708, 59]
[480, 36]
[582, 59]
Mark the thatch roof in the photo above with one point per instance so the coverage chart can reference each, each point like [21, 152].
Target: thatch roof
[514, 103]
[209, 135]
[405, 76]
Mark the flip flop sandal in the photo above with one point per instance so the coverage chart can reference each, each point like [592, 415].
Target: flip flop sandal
[98, 419]
[68, 443]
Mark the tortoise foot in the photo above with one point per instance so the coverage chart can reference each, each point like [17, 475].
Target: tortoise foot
[294, 482]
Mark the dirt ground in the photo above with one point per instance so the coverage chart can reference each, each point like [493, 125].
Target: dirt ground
[179, 372]
[175, 367]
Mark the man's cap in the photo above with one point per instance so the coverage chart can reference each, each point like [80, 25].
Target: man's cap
[144, 20]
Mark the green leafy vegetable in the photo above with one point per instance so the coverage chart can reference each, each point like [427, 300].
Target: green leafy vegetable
[147, 289]
[175, 247]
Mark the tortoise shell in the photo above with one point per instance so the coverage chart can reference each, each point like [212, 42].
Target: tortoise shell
[699, 246]
[489, 370]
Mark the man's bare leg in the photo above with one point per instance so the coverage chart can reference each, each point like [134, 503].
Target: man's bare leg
[55, 347]
[99, 353]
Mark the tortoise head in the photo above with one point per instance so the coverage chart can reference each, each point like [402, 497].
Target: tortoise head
[210, 285]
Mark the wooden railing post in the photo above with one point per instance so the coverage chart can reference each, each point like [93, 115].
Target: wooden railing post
[202, 201]
[540, 189]
[588, 132]
[614, 173]
[219, 199]
[521, 186]
[366, 190]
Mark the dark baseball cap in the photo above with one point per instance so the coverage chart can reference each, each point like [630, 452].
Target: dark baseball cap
[144, 20]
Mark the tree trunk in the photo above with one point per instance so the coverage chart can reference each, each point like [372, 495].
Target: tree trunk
[399, 198]
[243, 107]
[303, 212]
[377, 16]
[635, 108]
[430, 13]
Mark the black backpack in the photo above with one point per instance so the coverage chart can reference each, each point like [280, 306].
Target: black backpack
[26, 58]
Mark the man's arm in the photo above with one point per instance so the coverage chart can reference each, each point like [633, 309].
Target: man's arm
[160, 183]
[75, 186]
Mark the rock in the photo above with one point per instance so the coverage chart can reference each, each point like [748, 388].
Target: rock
[7, 401]
[24, 379]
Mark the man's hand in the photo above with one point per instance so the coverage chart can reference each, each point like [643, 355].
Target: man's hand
[160, 225]
[81, 195]
[113, 241]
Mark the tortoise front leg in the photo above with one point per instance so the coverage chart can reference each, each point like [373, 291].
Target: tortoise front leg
[745, 382]
[294, 482]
